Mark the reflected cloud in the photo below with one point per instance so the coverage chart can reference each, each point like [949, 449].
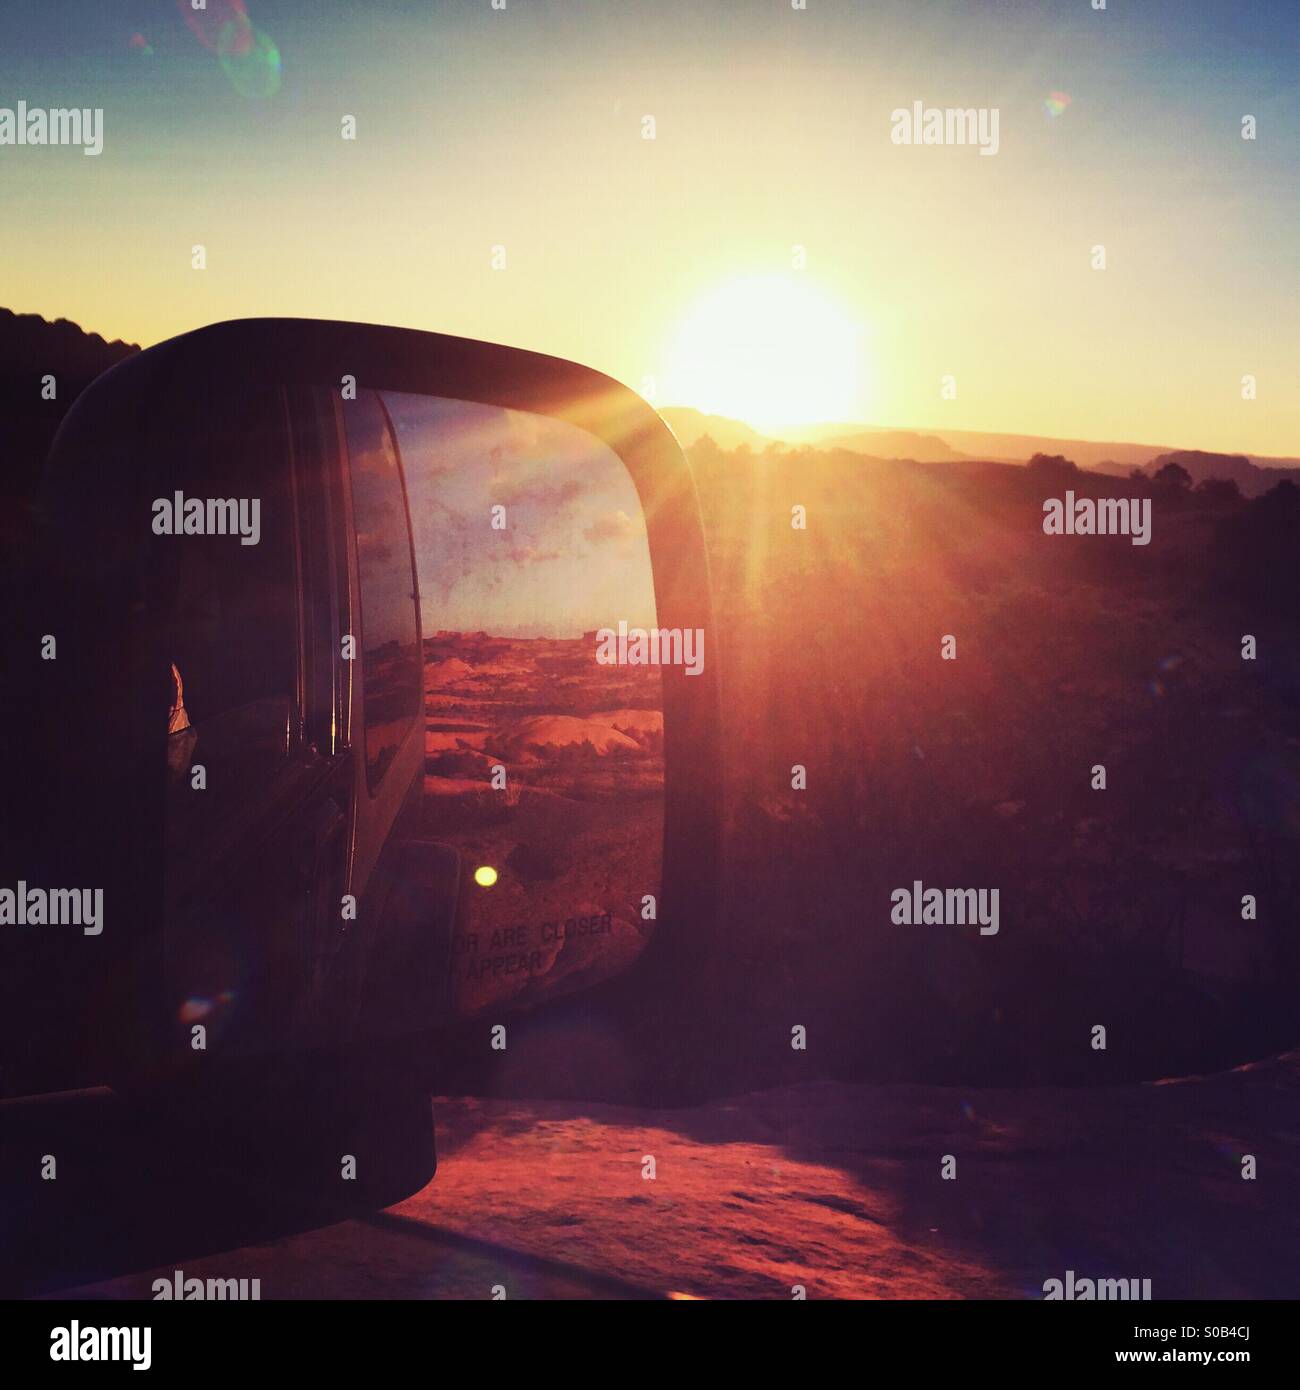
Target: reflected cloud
[614, 526]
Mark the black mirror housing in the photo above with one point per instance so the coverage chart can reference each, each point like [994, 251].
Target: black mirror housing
[98, 593]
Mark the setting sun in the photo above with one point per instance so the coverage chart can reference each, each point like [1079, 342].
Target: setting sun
[769, 350]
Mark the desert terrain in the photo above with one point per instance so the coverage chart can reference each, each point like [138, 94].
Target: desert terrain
[828, 1186]
[573, 822]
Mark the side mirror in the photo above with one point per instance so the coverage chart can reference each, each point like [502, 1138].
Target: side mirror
[399, 650]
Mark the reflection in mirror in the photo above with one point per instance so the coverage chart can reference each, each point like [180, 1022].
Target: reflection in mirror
[388, 615]
[544, 764]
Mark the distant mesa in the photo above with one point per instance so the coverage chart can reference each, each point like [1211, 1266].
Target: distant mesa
[690, 426]
[1253, 473]
[1252, 479]
[898, 444]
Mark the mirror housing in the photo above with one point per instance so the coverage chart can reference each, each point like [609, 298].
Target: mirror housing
[104, 468]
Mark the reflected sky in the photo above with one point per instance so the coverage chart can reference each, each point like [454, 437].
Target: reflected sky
[568, 551]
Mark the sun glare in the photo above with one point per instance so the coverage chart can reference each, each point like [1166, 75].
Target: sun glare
[769, 350]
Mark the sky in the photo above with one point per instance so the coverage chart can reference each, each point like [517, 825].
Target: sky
[935, 286]
[570, 555]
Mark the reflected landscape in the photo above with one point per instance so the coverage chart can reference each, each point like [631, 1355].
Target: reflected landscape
[544, 767]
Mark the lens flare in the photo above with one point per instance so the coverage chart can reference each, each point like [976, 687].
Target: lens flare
[208, 25]
[1056, 102]
[250, 59]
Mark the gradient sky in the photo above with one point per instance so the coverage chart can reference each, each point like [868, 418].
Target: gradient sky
[573, 556]
[523, 128]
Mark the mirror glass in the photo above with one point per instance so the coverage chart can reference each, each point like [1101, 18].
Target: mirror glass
[543, 737]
